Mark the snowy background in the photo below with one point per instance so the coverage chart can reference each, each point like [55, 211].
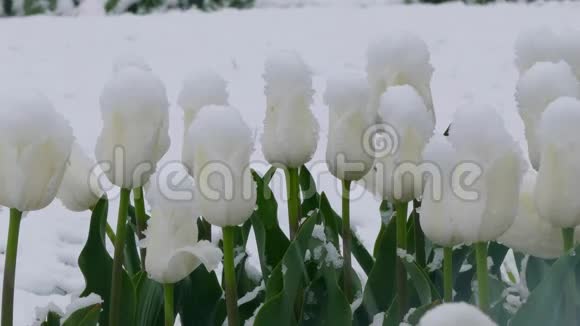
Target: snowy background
[69, 59]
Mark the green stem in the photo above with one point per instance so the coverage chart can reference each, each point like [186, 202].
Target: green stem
[401, 216]
[230, 277]
[117, 277]
[168, 304]
[141, 217]
[419, 236]
[10, 267]
[346, 240]
[293, 189]
[568, 237]
[482, 277]
[448, 274]
[110, 233]
[570, 291]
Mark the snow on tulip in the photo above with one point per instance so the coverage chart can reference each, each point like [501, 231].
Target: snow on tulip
[455, 314]
[410, 127]
[347, 98]
[35, 144]
[557, 185]
[399, 60]
[79, 190]
[530, 234]
[537, 87]
[135, 135]
[290, 134]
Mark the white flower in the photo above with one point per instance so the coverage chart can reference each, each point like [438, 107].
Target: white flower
[536, 45]
[129, 60]
[539, 86]
[35, 143]
[221, 147]
[290, 130]
[399, 60]
[347, 98]
[173, 193]
[472, 196]
[530, 233]
[396, 175]
[557, 185]
[135, 134]
[199, 89]
[79, 189]
[455, 314]
[173, 249]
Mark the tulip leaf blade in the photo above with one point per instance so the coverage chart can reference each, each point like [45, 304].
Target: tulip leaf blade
[198, 299]
[286, 280]
[149, 301]
[271, 241]
[380, 287]
[96, 265]
[88, 316]
[543, 306]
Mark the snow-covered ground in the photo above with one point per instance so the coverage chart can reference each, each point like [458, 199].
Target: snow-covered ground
[69, 59]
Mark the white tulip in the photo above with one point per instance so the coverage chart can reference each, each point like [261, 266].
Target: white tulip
[530, 233]
[537, 44]
[130, 60]
[455, 314]
[396, 173]
[35, 144]
[539, 86]
[173, 193]
[290, 130]
[135, 134]
[570, 43]
[347, 98]
[220, 156]
[557, 186]
[198, 90]
[173, 249]
[79, 190]
[473, 194]
[399, 60]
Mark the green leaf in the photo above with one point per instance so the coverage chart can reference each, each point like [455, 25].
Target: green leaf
[132, 261]
[287, 278]
[270, 239]
[416, 315]
[199, 299]
[96, 266]
[52, 319]
[420, 281]
[310, 197]
[543, 305]
[380, 287]
[391, 318]
[333, 222]
[149, 301]
[497, 253]
[88, 316]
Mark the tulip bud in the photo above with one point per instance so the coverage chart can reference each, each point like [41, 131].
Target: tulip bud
[220, 157]
[79, 190]
[200, 89]
[557, 184]
[135, 134]
[455, 314]
[173, 249]
[536, 45]
[473, 195]
[530, 234]
[400, 60]
[396, 174]
[35, 144]
[539, 86]
[290, 130]
[347, 98]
